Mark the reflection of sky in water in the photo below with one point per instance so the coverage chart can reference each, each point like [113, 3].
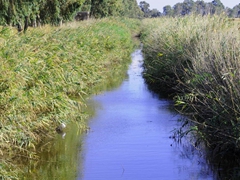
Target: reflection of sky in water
[129, 137]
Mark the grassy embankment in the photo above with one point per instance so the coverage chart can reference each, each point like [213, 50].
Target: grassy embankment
[45, 75]
[196, 60]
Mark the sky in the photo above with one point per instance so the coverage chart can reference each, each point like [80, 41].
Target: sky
[159, 4]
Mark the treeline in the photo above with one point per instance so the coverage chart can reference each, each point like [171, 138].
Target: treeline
[188, 7]
[35, 12]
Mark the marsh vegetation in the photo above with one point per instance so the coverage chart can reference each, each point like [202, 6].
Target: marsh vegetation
[45, 75]
[195, 60]
[47, 72]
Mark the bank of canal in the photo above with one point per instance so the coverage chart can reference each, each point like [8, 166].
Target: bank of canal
[129, 136]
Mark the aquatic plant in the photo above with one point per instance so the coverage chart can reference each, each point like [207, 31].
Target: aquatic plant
[195, 60]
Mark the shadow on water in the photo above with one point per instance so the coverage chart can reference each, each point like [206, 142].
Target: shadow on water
[57, 158]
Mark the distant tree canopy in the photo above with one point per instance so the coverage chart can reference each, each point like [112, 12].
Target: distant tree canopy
[189, 7]
[235, 12]
[19, 12]
[131, 9]
[103, 8]
[13, 12]
[144, 6]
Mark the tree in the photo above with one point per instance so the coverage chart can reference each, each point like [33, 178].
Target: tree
[218, 7]
[22, 13]
[167, 10]
[155, 13]
[209, 9]
[29, 11]
[86, 6]
[188, 6]
[228, 11]
[236, 11]
[177, 9]
[200, 7]
[131, 9]
[144, 6]
[104, 8]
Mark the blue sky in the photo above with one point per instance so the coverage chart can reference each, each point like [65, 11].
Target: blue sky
[159, 4]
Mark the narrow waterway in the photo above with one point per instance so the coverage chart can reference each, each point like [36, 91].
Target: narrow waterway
[129, 137]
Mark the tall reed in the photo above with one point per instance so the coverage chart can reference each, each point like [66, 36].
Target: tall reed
[47, 73]
[196, 60]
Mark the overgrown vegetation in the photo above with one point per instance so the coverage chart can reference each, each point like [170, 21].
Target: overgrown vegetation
[45, 75]
[196, 60]
[34, 13]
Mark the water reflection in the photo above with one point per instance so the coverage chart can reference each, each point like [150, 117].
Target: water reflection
[129, 137]
[58, 157]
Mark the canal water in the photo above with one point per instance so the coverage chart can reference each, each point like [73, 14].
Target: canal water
[129, 136]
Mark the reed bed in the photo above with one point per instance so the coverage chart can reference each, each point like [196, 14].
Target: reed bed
[196, 61]
[47, 73]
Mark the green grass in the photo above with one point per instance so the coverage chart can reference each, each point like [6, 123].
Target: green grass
[196, 61]
[47, 73]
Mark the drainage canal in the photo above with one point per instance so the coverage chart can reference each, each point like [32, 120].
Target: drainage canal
[129, 137]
